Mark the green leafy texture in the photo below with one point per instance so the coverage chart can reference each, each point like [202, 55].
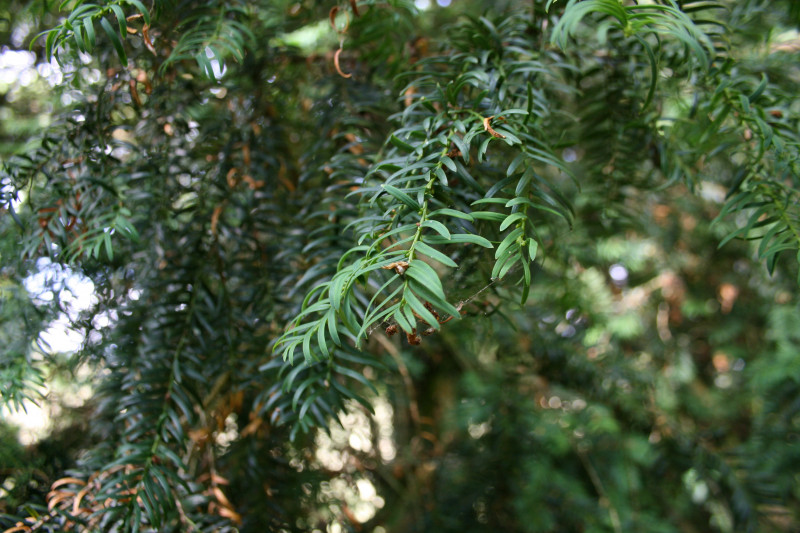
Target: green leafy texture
[665, 18]
[78, 26]
[217, 210]
[408, 185]
[210, 34]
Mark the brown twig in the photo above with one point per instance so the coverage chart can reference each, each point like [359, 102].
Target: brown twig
[413, 407]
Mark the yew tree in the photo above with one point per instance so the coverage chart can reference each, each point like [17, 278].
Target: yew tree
[376, 265]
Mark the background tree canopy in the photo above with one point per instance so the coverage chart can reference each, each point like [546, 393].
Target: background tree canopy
[403, 266]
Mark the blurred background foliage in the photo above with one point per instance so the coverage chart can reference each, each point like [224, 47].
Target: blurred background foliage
[183, 180]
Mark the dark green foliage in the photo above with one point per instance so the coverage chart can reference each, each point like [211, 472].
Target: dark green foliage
[580, 218]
